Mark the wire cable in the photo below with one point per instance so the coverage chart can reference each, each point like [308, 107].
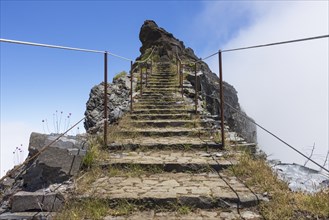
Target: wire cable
[210, 56]
[269, 132]
[49, 46]
[266, 45]
[62, 47]
[277, 137]
[277, 43]
[40, 151]
[118, 56]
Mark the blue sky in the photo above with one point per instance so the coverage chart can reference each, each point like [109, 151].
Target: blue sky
[35, 82]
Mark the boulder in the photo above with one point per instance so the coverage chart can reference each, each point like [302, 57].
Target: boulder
[30, 201]
[59, 162]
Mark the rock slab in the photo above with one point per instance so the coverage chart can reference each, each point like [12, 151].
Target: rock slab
[31, 201]
[59, 162]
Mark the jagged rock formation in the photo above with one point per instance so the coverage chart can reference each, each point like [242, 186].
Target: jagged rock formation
[167, 47]
[165, 43]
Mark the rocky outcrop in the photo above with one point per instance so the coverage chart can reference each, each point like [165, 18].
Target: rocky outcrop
[165, 44]
[210, 91]
[41, 183]
[167, 47]
[58, 163]
[118, 104]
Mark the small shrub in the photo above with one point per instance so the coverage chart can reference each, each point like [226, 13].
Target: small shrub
[119, 75]
[92, 154]
[184, 210]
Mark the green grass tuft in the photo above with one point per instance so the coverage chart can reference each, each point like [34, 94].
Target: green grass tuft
[119, 75]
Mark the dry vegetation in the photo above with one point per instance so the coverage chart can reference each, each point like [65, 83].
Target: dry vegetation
[283, 204]
[254, 172]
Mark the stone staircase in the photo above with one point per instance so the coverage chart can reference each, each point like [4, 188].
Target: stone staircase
[163, 160]
[182, 164]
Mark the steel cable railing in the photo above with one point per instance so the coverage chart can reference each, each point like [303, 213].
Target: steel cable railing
[244, 48]
[267, 131]
[178, 68]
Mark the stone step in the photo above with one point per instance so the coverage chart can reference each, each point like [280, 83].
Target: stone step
[162, 98]
[159, 93]
[158, 102]
[140, 131]
[202, 190]
[167, 123]
[157, 106]
[172, 142]
[156, 99]
[27, 215]
[169, 100]
[36, 201]
[209, 214]
[170, 160]
[163, 81]
[161, 90]
[160, 75]
[163, 111]
[157, 83]
[160, 87]
[162, 116]
[164, 74]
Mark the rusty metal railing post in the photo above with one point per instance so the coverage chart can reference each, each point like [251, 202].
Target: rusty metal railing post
[221, 93]
[146, 68]
[105, 99]
[196, 90]
[131, 86]
[178, 75]
[177, 63]
[181, 78]
[141, 80]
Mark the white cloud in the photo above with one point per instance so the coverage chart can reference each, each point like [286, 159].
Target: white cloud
[285, 88]
[13, 134]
